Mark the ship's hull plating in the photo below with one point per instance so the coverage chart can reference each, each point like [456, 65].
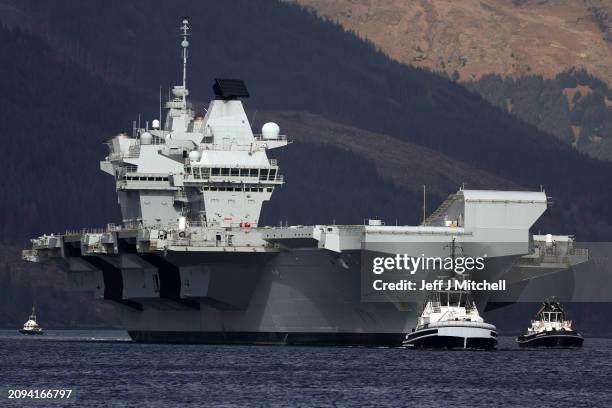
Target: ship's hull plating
[551, 339]
[299, 296]
[31, 332]
[268, 338]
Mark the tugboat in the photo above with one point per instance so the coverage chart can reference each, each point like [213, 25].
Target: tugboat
[551, 329]
[31, 326]
[450, 321]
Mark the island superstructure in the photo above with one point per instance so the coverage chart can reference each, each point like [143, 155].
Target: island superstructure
[191, 263]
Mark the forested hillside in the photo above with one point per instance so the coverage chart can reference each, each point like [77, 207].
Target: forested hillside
[574, 106]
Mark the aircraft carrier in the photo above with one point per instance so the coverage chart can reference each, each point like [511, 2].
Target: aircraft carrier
[189, 263]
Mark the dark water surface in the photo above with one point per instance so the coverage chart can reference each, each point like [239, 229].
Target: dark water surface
[105, 369]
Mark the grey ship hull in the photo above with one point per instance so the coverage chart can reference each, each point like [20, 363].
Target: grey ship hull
[295, 297]
[299, 285]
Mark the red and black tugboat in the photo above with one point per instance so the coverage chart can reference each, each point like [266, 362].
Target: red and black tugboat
[550, 328]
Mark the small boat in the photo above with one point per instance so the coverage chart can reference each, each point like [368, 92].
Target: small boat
[550, 328]
[31, 326]
[450, 321]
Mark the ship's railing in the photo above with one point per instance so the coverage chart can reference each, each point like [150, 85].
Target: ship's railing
[279, 178]
[84, 231]
[561, 255]
[236, 173]
[578, 252]
[259, 137]
[180, 196]
[158, 140]
[133, 152]
[143, 180]
[188, 241]
[469, 323]
[109, 228]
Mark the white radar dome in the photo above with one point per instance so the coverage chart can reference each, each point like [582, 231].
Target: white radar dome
[270, 130]
[178, 91]
[146, 138]
[155, 123]
[549, 239]
[194, 155]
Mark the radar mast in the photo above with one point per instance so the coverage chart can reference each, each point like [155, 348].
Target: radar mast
[185, 44]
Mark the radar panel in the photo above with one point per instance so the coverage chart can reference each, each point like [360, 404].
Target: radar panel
[230, 88]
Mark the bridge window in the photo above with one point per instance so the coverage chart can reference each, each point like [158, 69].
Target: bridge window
[272, 173]
[225, 172]
[263, 174]
[235, 172]
[244, 172]
[215, 171]
[254, 172]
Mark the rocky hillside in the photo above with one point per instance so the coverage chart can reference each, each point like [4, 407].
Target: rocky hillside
[546, 61]
[473, 38]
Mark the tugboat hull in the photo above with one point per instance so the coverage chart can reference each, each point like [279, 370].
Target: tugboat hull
[551, 339]
[480, 337]
[30, 332]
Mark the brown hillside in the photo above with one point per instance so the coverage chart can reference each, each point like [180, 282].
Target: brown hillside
[509, 37]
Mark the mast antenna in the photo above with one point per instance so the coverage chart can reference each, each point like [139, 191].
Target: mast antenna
[185, 44]
[424, 204]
